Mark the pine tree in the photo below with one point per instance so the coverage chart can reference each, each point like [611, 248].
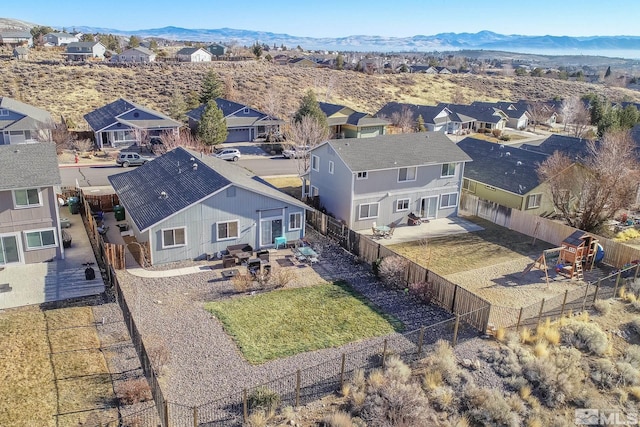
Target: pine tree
[608, 72]
[257, 50]
[178, 106]
[192, 100]
[134, 41]
[212, 128]
[421, 127]
[309, 107]
[212, 87]
[339, 62]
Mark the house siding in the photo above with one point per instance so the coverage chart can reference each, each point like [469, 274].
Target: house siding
[334, 189]
[200, 221]
[19, 220]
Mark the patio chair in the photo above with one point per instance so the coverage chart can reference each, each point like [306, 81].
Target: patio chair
[375, 233]
[390, 233]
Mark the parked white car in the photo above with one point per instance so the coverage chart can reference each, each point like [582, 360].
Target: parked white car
[127, 159]
[296, 152]
[232, 154]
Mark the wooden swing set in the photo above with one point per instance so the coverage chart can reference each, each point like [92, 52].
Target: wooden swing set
[578, 249]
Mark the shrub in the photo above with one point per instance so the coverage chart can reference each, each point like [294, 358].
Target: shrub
[264, 399]
[602, 306]
[282, 277]
[636, 305]
[396, 404]
[444, 399]
[358, 379]
[628, 374]
[135, 391]
[634, 392]
[376, 379]
[558, 377]
[338, 419]
[496, 133]
[635, 326]
[158, 353]
[525, 335]
[425, 291]
[504, 362]
[396, 369]
[501, 334]
[489, 407]
[443, 360]
[375, 267]
[632, 356]
[391, 271]
[540, 349]
[258, 418]
[241, 282]
[505, 138]
[603, 373]
[585, 336]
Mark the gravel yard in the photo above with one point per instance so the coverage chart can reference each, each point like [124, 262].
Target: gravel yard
[205, 363]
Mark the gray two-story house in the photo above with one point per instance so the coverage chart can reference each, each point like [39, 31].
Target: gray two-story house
[29, 219]
[85, 51]
[383, 179]
[187, 205]
[22, 123]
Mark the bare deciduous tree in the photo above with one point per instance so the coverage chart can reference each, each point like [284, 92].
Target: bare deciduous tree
[589, 192]
[305, 132]
[58, 133]
[173, 140]
[538, 113]
[403, 120]
[575, 113]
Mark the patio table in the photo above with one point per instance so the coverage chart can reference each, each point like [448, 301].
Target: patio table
[308, 253]
[383, 228]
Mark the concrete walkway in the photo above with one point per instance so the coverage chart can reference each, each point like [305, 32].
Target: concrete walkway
[141, 272]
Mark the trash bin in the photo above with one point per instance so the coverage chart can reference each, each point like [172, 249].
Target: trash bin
[74, 205]
[119, 212]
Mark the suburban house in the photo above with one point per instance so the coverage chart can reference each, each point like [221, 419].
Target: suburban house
[428, 69]
[345, 122]
[12, 38]
[243, 123]
[302, 62]
[187, 205]
[135, 54]
[60, 39]
[505, 176]
[517, 115]
[575, 148]
[83, 51]
[123, 123]
[29, 217]
[22, 123]
[484, 117]
[217, 50]
[193, 54]
[436, 118]
[383, 179]
[20, 53]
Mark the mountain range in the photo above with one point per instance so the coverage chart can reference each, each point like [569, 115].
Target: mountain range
[483, 40]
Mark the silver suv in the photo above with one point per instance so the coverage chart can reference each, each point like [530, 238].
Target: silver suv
[228, 154]
[132, 159]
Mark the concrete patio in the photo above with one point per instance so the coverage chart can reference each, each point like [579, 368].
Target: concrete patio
[434, 228]
[56, 280]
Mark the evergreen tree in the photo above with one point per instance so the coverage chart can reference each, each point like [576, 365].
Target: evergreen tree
[87, 38]
[134, 42]
[257, 50]
[178, 107]
[339, 62]
[212, 87]
[38, 32]
[421, 127]
[608, 72]
[192, 100]
[309, 107]
[212, 129]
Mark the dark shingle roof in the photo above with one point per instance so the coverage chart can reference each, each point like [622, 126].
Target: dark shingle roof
[28, 165]
[393, 151]
[428, 112]
[140, 190]
[507, 168]
[228, 108]
[574, 148]
[330, 109]
[107, 115]
[485, 114]
[188, 50]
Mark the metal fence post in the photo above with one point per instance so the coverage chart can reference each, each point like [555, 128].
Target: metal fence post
[297, 388]
[595, 295]
[245, 409]
[615, 290]
[384, 354]
[455, 331]
[519, 319]
[420, 341]
[637, 272]
[342, 371]
[195, 416]
[584, 300]
[166, 414]
[541, 308]
[564, 302]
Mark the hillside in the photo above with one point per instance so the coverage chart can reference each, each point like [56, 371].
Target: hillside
[73, 90]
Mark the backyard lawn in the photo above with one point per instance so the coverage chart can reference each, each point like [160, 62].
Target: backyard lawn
[292, 185]
[287, 322]
[53, 373]
[469, 251]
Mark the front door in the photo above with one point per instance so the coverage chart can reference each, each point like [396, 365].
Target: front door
[429, 207]
[270, 228]
[9, 249]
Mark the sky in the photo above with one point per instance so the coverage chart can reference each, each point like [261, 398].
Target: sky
[333, 18]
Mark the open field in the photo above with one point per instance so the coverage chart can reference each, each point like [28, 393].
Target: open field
[53, 372]
[287, 322]
[74, 90]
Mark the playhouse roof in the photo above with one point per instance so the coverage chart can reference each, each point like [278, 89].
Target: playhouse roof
[576, 238]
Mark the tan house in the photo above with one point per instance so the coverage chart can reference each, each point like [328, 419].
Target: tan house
[345, 122]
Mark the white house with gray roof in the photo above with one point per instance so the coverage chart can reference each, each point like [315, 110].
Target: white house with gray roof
[188, 205]
[60, 39]
[193, 54]
[136, 54]
[29, 217]
[383, 179]
[22, 123]
[123, 123]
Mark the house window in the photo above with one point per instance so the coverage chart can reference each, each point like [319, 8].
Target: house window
[295, 221]
[39, 239]
[231, 192]
[448, 169]
[407, 174]
[448, 200]
[228, 230]
[174, 237]
[330, 167]
[26, 198]
[362, 175]
[4, 112]
[533, 201]
[314, 191]
[368, 210]
[246, 111]
[402, 205]
[470, 186]
[315, 163]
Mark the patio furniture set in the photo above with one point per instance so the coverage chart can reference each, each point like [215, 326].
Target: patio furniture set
[383, 231]
[260, 264]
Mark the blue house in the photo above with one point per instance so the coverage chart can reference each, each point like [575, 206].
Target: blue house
[187, 205]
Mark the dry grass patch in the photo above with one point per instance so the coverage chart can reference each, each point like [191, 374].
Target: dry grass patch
[291, 185]
[79, 396]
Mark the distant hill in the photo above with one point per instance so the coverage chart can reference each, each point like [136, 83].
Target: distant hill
[15, 24]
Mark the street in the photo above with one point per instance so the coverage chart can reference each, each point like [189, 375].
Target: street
[95, 176]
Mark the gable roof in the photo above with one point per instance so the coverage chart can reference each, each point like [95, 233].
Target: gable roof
[107, 115]
[172, 173]
[575, 148]
[330, 109]
[512, 110]
[33, 116]
[28, 166]
[394, 151]
[229, 108]
[487, 114]
[428, 112]
[140, 49]
[504, 167]
[191, 50]
[81, 46]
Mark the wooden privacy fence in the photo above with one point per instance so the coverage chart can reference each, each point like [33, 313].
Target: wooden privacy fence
[103, 202]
